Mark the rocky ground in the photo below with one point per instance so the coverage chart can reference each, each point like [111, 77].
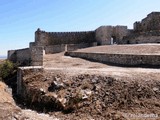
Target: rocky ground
[73, 88]
[88, 95]
[76, 89]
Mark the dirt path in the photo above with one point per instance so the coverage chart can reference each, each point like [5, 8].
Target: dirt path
[75, 65]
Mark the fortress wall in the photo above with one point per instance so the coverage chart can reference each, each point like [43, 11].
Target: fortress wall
[151, 22]
[43, 38]
[120, 59]
[37, 54]
[19, 56]
[51, 49]
[120, 32]
[23, 55]
[31, 44]
[72, 47]
[12, 55]
[104, 34]
[144, 37]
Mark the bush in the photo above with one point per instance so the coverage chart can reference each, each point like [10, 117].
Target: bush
[6, 69]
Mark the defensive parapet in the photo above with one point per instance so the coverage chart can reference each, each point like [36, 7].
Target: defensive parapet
[43, 38]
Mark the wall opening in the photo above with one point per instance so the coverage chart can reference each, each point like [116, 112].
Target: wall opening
[113, 40]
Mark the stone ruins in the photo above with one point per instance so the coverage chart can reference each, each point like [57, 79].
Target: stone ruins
[145, 31]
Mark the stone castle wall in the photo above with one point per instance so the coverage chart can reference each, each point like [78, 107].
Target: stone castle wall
[106, 35]
[143, 37]
[146, 31]
[37, 53]
[51, 49]
[43, 38]
[151, 22]
[21, 56]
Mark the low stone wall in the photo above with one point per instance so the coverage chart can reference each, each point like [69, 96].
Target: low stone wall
[20, 56]
[72, 47]
[54, 49]
[23, 71]
[67, 47]
[120, 59]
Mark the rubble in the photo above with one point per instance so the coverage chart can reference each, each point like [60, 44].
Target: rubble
[97, 94]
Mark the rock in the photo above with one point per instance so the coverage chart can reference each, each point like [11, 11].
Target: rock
[107, 93]
[55, 86]
[58, 85]
[62, 102]
[94, 80]
[42, 91]
[86, 94]
[57, 78]
[139, 90]
[155, 89]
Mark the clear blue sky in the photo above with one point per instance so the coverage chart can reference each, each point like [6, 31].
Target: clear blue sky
[19, 19]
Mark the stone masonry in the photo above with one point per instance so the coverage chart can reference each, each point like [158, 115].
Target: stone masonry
[146, 31]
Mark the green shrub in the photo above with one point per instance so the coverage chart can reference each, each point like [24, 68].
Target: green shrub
[6, 69]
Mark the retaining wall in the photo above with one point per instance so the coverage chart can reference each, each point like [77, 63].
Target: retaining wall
[120, 59]
[51, 49]
[24, 71]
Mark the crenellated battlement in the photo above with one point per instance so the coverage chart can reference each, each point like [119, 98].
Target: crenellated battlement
[44, 38]
[71, 32]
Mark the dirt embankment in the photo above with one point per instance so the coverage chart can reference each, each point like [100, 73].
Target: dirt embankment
[94, 96]
[10, 111]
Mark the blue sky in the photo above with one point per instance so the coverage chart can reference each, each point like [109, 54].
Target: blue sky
[19, 19]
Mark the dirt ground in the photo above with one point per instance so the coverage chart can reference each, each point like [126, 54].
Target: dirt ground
[94, 95]
[77, 89]
[117, 93]
[153, 49]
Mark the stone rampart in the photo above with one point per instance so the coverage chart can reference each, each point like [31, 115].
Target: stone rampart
[43, 38]
[143, 37]
[37, 54]
[51, 49]
[106, 35]
[120, 59]
[21, 56]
